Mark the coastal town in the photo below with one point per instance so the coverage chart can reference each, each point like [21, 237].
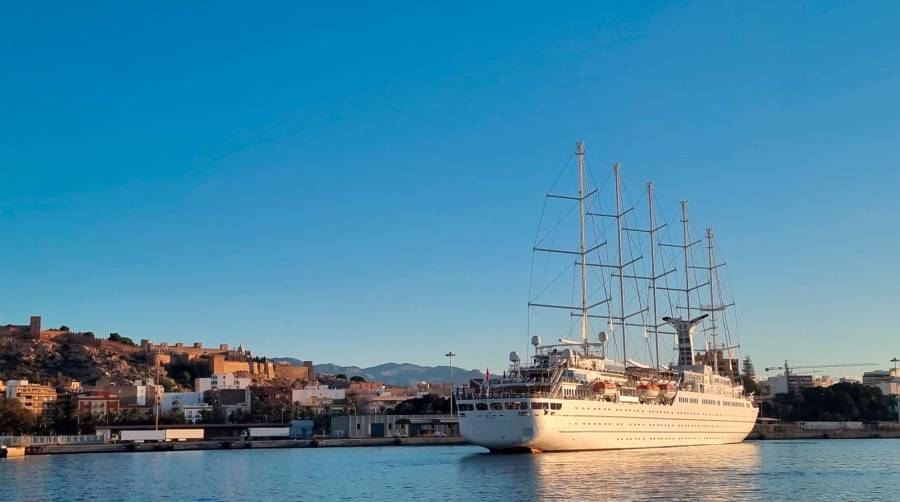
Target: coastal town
[157, 386]
[160, 391]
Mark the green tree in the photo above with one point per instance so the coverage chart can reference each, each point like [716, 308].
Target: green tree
[840, 402]
[14, 418]
[429, 404]
[209, 417]
[185, 379]
[130, 416]
[357, 379]
[174, 417]
[748, 377]
[747, 368]
[62, 420]
[87, 424]
[239, 416]
[115, 337]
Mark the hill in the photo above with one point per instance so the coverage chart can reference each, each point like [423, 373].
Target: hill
[70, 356]
[397, 373]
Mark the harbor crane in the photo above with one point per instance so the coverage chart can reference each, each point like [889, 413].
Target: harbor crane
[788, 369]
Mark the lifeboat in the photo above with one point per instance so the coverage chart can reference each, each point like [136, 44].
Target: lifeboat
[607, 390]
[647, 390]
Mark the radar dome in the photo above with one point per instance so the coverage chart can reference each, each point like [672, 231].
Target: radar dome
[514, 357]
[603, 337]
[536, 341]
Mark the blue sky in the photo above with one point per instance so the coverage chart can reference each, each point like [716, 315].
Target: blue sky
[361, 184]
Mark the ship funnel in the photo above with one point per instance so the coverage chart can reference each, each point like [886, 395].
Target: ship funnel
[684, 330]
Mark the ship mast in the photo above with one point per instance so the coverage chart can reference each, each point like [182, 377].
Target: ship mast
[652, 232]
[621, 267]
[712, 299]
[582, 253]
[687, 265]
[579, 152]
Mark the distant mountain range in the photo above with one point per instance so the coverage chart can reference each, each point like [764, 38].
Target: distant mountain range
[396, 373]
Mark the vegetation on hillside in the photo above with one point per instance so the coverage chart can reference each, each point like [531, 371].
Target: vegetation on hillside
[115, 337]
[184, 372]
[72, 356]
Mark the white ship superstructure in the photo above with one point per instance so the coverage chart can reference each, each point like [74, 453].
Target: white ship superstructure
[571, 396]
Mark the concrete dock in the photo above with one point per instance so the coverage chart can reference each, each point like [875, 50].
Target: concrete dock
[237, 445]
[12, 452]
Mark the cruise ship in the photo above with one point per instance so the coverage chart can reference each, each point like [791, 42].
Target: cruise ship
[595, 393]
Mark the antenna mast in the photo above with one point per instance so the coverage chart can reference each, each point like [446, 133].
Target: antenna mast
[579, 152]
[621, 267]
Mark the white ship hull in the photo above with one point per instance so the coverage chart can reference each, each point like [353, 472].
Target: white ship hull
[692, 419]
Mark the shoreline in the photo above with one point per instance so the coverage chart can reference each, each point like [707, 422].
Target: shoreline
[71, 449]
[368, 442]
[828, 434]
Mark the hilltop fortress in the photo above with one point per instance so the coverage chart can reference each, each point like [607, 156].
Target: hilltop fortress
[22, 338]
[31, 330]
[227, 360]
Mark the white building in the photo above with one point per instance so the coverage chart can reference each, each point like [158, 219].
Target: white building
[189, 404]
[886, 380]
[181, 400]
[381, 403]
[781, 384]
[12, 388]
[221, 381]
[316, 395]
[142, 391]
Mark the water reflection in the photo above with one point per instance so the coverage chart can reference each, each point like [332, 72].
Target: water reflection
[506, 476]
[686, 473]
[864, 469]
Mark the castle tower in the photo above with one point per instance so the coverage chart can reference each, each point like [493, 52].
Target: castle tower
[34, 328]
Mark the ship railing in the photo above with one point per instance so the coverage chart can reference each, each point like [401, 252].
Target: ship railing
[526, 395]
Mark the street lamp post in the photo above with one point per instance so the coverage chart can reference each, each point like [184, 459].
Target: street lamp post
[157, 394]
[450, 356]
[895, 383]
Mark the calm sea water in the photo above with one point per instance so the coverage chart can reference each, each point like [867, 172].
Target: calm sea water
[772, 470]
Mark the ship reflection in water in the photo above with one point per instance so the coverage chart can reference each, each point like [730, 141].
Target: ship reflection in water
[690, 472]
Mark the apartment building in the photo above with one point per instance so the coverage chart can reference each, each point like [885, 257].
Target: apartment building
[34, 397]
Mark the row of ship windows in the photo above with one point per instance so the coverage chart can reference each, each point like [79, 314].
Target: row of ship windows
[642, 410]
[709, 426]
[535, 405]
[713, 402]
[683, 413]
[653, 438]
